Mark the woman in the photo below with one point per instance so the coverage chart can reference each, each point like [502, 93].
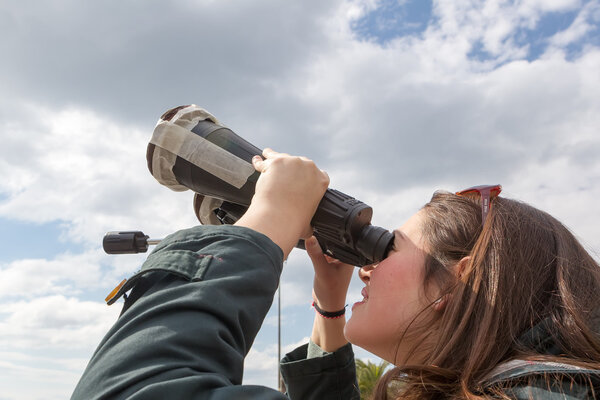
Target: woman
[473, 302]
[466, 290]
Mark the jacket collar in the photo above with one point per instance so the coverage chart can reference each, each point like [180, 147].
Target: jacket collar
[540, 339]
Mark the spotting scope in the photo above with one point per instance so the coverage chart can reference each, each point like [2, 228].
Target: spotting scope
[191, 149]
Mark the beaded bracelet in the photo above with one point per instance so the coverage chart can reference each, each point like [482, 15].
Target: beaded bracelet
[327, 314]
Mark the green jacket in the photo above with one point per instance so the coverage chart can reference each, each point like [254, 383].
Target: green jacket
[190, 319]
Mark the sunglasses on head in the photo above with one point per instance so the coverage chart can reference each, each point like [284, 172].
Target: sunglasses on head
[487, 193]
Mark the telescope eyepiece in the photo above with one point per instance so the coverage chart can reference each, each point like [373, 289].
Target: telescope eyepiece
[374, 243]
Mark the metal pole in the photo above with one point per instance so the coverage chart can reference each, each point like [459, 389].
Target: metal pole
[279, 380]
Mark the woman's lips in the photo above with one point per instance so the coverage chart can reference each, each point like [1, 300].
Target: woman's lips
[365, 296]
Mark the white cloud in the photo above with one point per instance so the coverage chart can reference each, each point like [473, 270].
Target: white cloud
[534, 8]
[586, 21]
[46, 342]
[261, 365]
[565, 188]
[75, 166]
[67, 273]
[262, 360]
[296, 280]
[36, 383]
[34, 277]
[55, 322]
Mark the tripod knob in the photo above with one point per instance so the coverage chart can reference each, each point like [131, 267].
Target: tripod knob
[128, 242]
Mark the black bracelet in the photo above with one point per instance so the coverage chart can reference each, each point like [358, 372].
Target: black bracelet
[327, 314]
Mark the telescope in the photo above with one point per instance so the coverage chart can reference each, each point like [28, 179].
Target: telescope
[191, 150]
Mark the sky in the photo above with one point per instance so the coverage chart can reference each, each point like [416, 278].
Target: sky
[394, 99]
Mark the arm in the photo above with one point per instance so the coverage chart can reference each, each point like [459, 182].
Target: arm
[331, 374]
[202, 295]
[330, 285]
[209, 289]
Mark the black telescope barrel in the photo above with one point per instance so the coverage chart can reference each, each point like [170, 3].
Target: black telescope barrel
[203, 182]
[342, 224]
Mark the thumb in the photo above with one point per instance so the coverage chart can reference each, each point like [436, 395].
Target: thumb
[258, 163]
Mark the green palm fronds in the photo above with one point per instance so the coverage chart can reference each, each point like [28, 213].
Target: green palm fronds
[368, 374]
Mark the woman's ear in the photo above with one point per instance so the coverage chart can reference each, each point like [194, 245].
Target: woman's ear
[461, 267]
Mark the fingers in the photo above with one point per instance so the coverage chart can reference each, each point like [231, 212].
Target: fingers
[268, 152]
[258, 163]
[261, 163]
[308, 232]
[316, 254]
[314, 251]
[332, 277]
[290, 189]
[326, 175]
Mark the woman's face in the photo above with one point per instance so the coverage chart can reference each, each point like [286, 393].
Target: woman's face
[393, 296]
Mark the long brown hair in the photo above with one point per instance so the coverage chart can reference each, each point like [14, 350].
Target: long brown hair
[525, 267]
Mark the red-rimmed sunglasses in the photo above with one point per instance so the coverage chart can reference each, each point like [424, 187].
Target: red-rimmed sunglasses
[487, 193]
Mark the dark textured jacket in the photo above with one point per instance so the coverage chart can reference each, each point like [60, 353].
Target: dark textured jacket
[192, 315]
[544, 380]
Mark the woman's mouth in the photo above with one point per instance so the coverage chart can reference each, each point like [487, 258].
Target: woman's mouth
[365, 296]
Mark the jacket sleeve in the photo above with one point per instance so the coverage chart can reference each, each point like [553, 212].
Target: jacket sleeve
[331, 376]
[191, 318]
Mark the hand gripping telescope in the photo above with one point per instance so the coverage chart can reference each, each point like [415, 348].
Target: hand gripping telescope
[190, 149]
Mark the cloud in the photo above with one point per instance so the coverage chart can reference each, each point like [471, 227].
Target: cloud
[55, 321]
[50, 338]
[262, 360]
[398, 133]
[496, 26]
[67, 273]
[262, 365]
[176, 53]
[75, 166]
[586, 21]
[50, 383]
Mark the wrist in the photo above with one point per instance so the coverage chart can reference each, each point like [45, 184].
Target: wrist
[329, 304]
[275, 223]
[328, 313]
[328, 334]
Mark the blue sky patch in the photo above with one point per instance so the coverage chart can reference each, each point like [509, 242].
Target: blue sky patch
[397, 18]
[537, 39]
[22, 240]
[549, 25]
[392, 19]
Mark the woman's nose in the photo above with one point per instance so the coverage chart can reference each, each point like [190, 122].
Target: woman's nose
[364, 273]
